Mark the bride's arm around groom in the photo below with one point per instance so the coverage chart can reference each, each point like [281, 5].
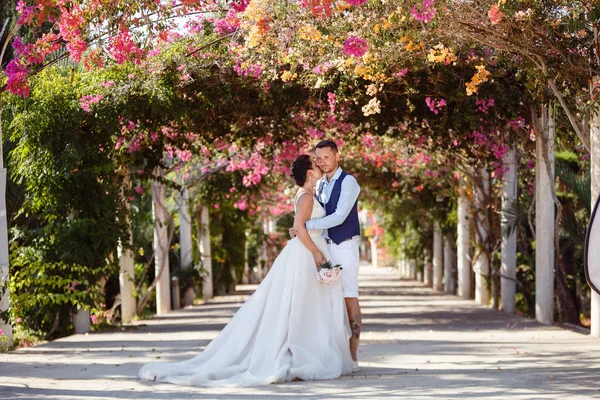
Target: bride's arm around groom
[303, 213]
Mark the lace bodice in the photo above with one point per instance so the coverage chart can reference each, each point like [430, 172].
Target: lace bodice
[317, 212]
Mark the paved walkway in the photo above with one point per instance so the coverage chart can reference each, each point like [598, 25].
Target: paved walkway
[416, 345]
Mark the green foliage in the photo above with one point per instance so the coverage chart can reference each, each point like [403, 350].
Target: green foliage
[71, 217]
[44, 293]
[227, 231]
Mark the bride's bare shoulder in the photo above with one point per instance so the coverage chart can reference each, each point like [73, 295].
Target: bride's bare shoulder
[304, 199]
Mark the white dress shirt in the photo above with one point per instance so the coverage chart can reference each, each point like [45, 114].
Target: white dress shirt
[348, 196]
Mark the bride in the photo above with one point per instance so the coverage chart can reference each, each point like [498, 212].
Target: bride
[293, 327]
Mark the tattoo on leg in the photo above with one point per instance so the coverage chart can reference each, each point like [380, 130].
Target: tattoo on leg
[356, 325]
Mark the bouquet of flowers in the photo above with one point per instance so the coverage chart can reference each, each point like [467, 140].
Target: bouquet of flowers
[329, 273]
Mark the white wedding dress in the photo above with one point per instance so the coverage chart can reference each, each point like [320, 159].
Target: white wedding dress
[292, 327]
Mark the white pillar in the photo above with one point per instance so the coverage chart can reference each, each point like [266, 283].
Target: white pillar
[206, 255]
[161, 248]
[185, 229]
[448, 266]
[595, 175]
[482, 260]
[126, 270]
[126, 280]
[463, 243]
[427, 267]
[508, 267]
[438, 255]
[413, 269]
[544, 219]
[4, 277]
[374, 261]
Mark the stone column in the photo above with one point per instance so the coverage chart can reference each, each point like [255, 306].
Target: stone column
[185, 229]
[449, 257]
[482, 262]
[126, 270]
[413, 269]
[206, 255]
[161, 247]
[374, 258]
[126, 279]
[463, 242]
[595, 175]
[185, 240]
[508, 267]
[438, 264]
[4, 277]
[427, 267]
[544, 219]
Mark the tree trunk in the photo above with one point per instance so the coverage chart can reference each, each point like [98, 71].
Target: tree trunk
[544, 218]
[463, 243]
[161, 248]
[595, 175]
[566, 287]
[508, 269]
[438, 264]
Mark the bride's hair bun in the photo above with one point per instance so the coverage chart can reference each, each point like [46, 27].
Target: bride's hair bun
[300, 167]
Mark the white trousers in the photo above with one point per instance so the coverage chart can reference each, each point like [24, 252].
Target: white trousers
[346, 254]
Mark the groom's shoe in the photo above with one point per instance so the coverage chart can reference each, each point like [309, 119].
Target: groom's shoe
[355, 366]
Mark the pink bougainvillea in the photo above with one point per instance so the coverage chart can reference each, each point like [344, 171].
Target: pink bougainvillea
[87, 101]
[123, 48]
[426, 12]
[18, 82]
[495, 15]
[355, 46]
[357, 3]
[435, 105]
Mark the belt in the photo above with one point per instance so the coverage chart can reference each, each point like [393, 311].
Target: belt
[345, 240]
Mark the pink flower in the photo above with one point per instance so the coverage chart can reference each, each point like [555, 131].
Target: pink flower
[331, 101]
[495, 15]
[94, 319]
[227, 25]
[19, 320]
[355, 46]
[1, 332]
[87, 101]
[356, 2]
[426, 12]
[240, 5]
[401, 74]
[18, 83]
[76, 48]
[241, 204]
[123, 48]
[139, 189]
[27, 13]
[434, 105]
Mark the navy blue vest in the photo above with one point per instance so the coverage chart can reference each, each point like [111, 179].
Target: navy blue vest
[350, 227]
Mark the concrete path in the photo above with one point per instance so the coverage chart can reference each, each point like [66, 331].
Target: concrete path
[416, 345]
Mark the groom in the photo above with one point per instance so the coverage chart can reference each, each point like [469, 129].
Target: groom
[338, 193]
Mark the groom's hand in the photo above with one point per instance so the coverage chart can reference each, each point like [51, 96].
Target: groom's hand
[293, 233]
